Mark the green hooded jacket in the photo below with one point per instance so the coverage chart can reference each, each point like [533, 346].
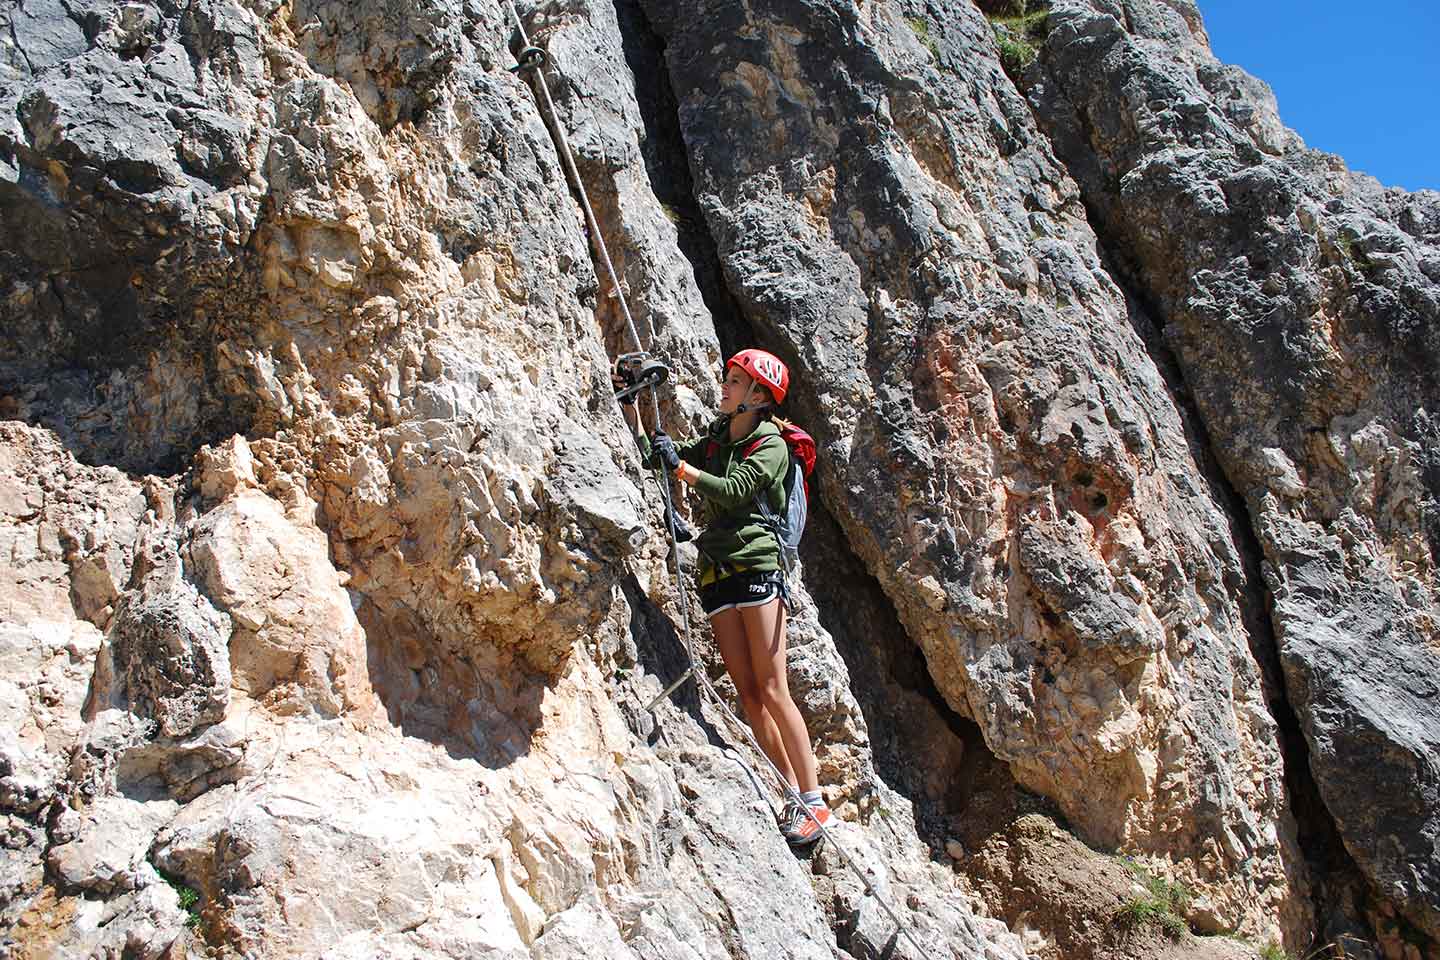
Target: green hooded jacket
[735, 537]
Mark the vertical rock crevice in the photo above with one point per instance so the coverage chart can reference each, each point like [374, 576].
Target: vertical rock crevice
[1317, 834]
[356, 220]
[922, 747]
[887, 216]
[667, 163]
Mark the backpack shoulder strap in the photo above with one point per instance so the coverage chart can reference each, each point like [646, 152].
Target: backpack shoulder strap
[751, 448]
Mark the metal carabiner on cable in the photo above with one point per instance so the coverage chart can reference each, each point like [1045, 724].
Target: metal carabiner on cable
[529, 58]
[641, 371]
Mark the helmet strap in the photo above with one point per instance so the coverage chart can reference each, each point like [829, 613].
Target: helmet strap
[744, 405]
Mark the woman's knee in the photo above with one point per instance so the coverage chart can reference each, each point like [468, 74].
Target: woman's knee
[751, 697]
[773, 693]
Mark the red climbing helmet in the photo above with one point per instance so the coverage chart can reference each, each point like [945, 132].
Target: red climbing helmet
[765, 367]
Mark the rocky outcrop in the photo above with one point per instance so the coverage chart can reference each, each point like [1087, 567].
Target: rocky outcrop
[997, 445]
[245, 798]
[1302, 303]
[330, 555]
[428, 572]
[67, 530]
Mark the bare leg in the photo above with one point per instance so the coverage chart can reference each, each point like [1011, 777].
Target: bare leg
[765, 632]
[730, 637]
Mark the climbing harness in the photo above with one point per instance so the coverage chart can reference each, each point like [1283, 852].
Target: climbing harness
[648, 373]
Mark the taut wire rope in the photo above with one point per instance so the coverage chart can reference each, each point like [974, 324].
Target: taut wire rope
[532, 59]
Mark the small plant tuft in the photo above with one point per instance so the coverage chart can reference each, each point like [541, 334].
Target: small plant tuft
[189, 898]
[922, 33]
[1163, 904]
[1273, 951]
[1149, 912]
[1355, 255]
[1017, 33]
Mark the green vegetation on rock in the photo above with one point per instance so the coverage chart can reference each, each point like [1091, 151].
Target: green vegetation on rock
[1162, 904]
[1018, 31]
[922, 31]
[1275, 952]
[189, 898]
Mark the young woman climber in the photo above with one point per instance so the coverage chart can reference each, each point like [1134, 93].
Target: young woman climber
[740, 575]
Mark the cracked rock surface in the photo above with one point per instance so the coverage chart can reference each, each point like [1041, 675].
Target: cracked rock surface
[1302, 305]
[333, 593]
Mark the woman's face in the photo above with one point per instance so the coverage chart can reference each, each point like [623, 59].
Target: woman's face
[733, 389]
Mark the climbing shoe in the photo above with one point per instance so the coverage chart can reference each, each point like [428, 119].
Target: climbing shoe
[806, 831]
[790, 816]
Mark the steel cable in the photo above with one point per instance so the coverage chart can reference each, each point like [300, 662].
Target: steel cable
[532, 60]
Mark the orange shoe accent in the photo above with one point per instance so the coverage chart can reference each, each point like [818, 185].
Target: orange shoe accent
[808, 832]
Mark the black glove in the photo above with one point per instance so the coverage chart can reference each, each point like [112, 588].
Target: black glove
[665, 451]
[618, 382]
[620, 378]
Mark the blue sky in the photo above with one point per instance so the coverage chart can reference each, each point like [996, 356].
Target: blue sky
[1358, 79]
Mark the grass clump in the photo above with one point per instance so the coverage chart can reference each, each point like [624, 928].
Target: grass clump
[1162, 904]
[922, 33]
[1018, 31]
[1274, 951]
[189, 898]
[1355, 255]
[1149, 912]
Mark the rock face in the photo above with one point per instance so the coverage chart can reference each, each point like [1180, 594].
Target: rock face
[329, 556]
[997, 445]
[1302, 303]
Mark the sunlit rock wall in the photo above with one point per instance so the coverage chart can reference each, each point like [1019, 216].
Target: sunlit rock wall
[328, 554]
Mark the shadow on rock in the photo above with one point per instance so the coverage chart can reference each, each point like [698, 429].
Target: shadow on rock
[478, 704]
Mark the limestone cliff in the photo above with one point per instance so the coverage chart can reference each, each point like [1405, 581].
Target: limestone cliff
[334, 592]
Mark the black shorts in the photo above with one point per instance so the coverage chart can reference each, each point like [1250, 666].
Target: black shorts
[741, 590]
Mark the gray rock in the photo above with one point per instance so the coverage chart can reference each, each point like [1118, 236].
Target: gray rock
[129, 152]
[659, 927]
[111, 844]
[584, 930]
[583, 485]
[22, 863]
[923, 924]
[894, 225]
[146, 923]
[726, 856]
[341, 230]
[1077, 588]
[393, 55]
[43, 35]
[182, 769]
[1296, 299]
[170, 653]
[602, 108]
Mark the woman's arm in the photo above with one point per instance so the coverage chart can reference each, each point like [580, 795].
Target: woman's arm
[692, 452]
[755, 473]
